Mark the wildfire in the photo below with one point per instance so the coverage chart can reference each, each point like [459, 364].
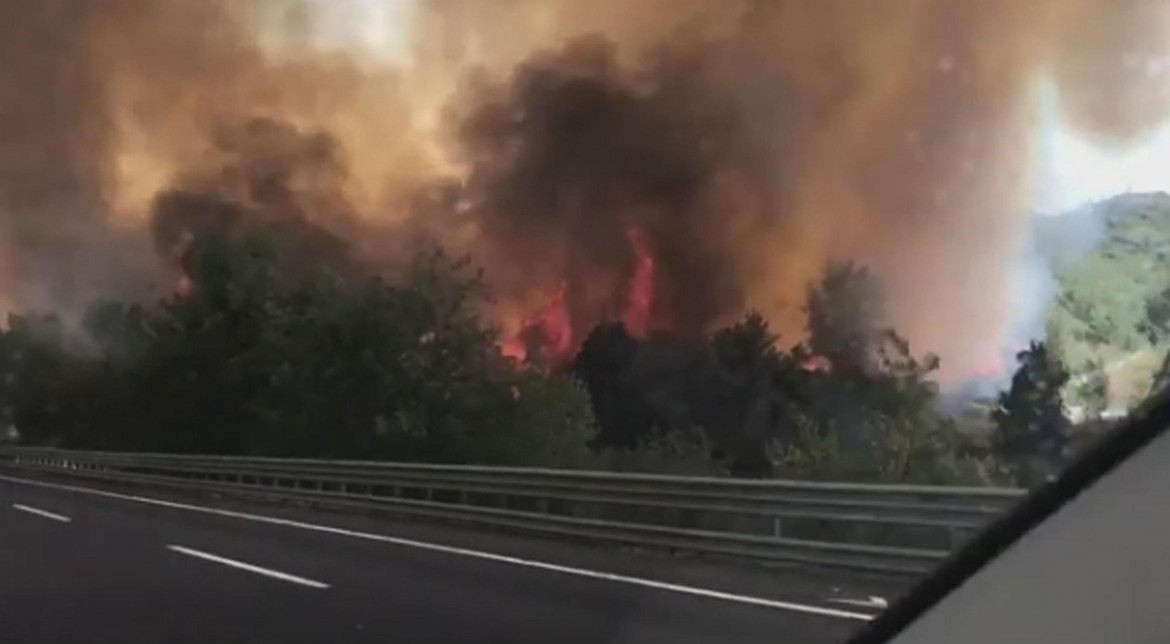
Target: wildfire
[549, 332]
[640, 298]
[513, 348]
[818, 364]
[184, 287]
[555, 327]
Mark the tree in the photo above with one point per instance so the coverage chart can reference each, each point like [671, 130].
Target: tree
[1157, 328]
[754, 385]
[319, 363]
[1091, 390]
[846, 315]
[879, 425]
[624, 417]
[1031, 427]
[257, 361]
[1111, 304]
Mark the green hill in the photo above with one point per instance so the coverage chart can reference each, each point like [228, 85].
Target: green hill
[1109, 261]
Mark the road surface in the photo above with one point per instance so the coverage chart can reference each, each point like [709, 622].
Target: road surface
[85, 563]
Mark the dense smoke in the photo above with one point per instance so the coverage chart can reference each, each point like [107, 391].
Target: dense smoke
[262, 177]
[668, 163]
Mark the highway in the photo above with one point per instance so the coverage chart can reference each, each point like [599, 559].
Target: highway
[85, 563]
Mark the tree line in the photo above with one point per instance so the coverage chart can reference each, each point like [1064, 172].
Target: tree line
[258, 360]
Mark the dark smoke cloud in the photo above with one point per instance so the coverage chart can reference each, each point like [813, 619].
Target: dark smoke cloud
[758, 140]
[264, 177]
[574, 150]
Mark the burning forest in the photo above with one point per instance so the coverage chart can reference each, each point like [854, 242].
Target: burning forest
[669, 165]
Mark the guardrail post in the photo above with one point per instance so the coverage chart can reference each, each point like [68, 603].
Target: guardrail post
[776, 527]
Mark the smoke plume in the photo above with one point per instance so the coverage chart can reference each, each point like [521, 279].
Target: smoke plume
[668, 163]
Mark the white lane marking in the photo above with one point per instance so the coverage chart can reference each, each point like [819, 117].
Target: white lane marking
[41, 513]
[267, 572]
[873, 601]
[465, 552]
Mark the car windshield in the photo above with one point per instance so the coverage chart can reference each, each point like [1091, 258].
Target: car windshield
[721, 305]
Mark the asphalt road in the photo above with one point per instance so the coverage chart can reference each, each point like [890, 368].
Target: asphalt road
[89, 564]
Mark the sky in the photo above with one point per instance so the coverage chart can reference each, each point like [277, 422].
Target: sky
[380, 26]
[1071, 169]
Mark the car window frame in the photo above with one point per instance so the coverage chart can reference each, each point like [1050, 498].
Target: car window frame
[1129, 437]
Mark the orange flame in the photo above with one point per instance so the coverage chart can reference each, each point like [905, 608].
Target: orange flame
[818, 364]
[549, 330]
[513, 348]
[555, 326]
[185, 287]
[636, 316]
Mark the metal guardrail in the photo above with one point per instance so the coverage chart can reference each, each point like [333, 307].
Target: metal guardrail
[886, 528]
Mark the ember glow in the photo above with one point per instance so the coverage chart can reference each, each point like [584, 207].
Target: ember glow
[547, 333]
[640, 299]
[185, 287]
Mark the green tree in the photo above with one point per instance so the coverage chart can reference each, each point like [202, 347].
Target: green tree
[604, 364]
[257, 361]
[884, 424]
[846, 316]
[1111, 304]
[1091, 390]
[1031, 427]
[746, 361]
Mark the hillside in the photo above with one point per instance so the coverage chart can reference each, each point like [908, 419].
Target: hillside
[1109, 263]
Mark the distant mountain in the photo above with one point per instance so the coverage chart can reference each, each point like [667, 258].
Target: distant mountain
[1066, 238]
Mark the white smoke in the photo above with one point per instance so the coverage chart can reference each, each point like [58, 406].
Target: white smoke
[1072, 170]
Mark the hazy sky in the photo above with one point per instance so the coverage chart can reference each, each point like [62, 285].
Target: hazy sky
[381, 26]
[1071, 169]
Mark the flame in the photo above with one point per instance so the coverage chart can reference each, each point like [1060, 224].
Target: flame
[550, 328]
[555, 327]
[819, 364]
[184, 287]
[762, 138]
[513, 347]
[547, 333]
[636, 316]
